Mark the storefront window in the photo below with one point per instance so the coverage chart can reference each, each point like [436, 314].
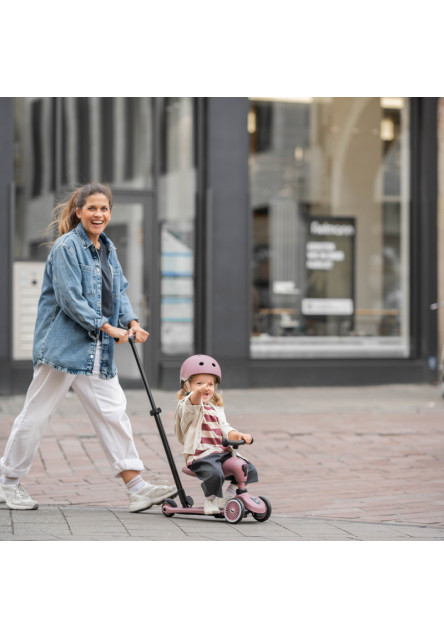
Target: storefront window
[329, 195]
[177, 185]
[61, 143]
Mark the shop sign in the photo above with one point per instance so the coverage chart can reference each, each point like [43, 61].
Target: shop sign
[329, 262]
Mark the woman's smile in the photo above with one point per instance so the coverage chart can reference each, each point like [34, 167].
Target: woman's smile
[94, 216]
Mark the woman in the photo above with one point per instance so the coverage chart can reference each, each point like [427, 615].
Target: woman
[83, 312]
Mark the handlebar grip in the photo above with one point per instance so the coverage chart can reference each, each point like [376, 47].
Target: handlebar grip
[130, 339]
[234, 443]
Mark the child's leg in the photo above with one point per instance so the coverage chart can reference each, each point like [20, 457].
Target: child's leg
[209, 471]
[252, 473]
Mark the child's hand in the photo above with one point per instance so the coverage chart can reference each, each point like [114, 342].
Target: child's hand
[204, 389]
[203, 392]
[237, 435]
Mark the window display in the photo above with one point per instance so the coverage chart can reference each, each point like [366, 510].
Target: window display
[329, 196]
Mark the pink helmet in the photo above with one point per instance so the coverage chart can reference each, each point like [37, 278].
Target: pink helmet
[200, 364]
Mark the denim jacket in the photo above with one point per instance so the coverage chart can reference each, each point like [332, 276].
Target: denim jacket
[70, 306]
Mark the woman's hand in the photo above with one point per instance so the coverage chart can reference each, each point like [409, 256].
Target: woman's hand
[140, 335]
[237, 435]
[119, 334]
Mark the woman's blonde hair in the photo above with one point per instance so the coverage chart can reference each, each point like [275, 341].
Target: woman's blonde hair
[64, 214]
[216, 399]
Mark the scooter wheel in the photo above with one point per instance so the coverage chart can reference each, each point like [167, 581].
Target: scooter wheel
[261, 517]
[234, 511]
[171, 503]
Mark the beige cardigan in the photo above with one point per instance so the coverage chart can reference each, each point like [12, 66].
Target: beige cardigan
[188, 424]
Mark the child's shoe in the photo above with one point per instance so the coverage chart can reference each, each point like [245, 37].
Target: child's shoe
[211, 507]
[228, 494]
[149, 495]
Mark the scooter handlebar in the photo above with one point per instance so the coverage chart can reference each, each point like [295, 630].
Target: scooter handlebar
[130, 339]
[234, 443]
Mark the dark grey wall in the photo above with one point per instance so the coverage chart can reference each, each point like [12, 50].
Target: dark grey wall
[425, 218]
[228, 238]
[6, 178]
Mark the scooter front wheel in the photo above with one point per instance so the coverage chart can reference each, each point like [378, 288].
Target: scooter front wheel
[234, 511]
[261, 517]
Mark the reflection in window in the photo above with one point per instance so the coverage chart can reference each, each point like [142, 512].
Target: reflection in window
[177, 210]
[34, 131]
[63, 142]
[329, 194]
[83, 140]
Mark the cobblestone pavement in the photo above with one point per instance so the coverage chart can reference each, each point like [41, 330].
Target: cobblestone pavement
[101, 523]
[336, 463]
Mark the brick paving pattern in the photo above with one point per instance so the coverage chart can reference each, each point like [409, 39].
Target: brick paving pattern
[367, 455]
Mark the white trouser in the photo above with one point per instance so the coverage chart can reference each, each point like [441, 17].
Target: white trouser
[104, 402]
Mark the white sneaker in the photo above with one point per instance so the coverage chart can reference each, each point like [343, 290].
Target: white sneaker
[16, 497]
[211, 507]
[149, 495]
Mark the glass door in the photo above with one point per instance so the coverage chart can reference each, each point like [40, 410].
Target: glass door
[132, 230]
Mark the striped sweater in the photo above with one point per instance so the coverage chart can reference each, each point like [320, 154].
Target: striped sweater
[188, 422]
[211, 435]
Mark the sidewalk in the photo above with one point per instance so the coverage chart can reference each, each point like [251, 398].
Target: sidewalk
[116, 523]
[362, 463]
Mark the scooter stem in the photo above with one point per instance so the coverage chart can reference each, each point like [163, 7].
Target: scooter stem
[155, 412]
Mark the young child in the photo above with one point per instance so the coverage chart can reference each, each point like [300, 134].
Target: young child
[200, 425]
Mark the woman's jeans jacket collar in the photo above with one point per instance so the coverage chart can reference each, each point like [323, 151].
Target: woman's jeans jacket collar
[70, 306]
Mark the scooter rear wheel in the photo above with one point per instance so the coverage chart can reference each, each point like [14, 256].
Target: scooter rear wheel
[234, 511]
[261, 517]
[172, 504]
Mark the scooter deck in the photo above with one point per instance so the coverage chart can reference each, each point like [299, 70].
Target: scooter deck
[168, 510]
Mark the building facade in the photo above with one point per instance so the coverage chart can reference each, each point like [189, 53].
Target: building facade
[294, 239]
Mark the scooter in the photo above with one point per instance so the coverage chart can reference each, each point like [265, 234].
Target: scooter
[237, 507]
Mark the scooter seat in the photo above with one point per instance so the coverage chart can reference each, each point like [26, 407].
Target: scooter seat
[189, 472]
[228, 467]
